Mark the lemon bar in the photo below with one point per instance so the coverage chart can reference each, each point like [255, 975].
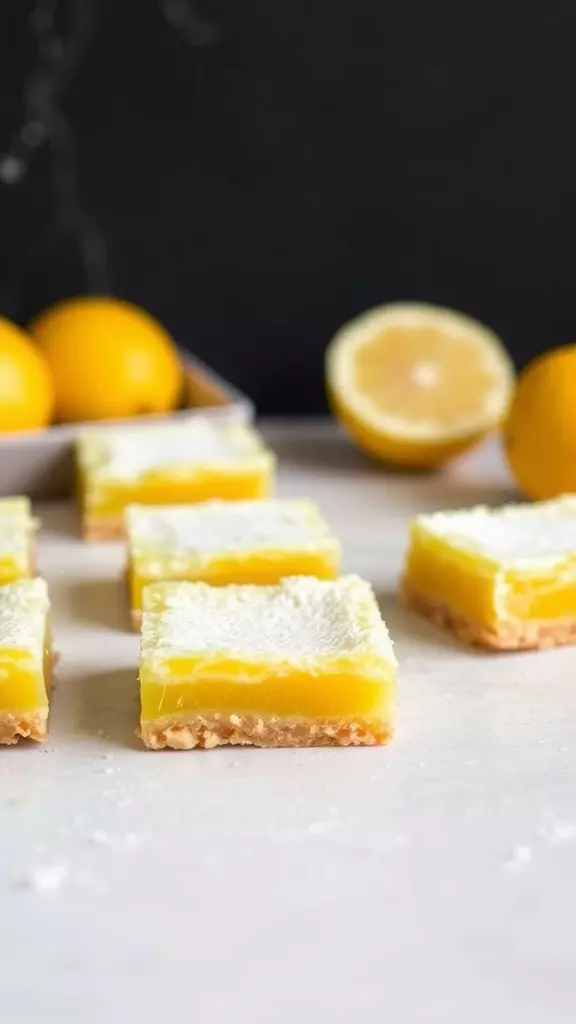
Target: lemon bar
[163, 465]
[25, 660]
[17, 527]
[222, 542]
[302, 663]
[501, 578]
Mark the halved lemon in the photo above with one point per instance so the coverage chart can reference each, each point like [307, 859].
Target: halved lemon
[415, 384]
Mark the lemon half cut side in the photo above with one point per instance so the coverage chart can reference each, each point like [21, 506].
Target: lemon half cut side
[415, 384]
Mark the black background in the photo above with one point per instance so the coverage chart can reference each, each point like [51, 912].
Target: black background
[258, 178]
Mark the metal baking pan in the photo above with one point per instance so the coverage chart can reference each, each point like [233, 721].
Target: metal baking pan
[40, 464]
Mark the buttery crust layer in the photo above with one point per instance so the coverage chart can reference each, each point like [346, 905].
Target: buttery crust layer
[102, 528]
[503, 636]
[32, 725]
[215, 730]
[13, 727]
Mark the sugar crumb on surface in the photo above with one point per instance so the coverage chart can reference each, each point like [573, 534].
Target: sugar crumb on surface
[558, 832]
[320, 828]
[128, 841]
[520, 858]
[45, 878]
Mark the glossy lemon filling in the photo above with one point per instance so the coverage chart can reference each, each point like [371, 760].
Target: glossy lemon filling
[219, 572]
[109, 499]
[12, 569]
[22, 686]
[481, 592]
[298, 694]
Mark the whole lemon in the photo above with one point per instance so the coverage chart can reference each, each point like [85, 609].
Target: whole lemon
[26, 386]
[109, 359]
[540, 431]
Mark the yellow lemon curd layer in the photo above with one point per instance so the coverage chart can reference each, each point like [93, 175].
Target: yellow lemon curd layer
[327, 694]
[171, 464]
[24, 646]
[16, 539]
[229, 542]
[22, 684]
[304, 648]
[514, 564]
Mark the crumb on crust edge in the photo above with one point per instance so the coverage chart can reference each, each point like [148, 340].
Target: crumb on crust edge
[503, 636]
[180, 732]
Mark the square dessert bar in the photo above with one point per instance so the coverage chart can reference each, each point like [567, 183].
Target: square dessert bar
[17, 547]
[501, 578]
[228, 542]
[25, 660]
[169, 464]
[304, 663]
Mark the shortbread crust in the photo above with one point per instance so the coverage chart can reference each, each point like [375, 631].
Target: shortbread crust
[31, 725]
[102, 528]
[505, 636]
[207, 731]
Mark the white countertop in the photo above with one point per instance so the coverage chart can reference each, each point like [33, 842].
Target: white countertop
[429, 882]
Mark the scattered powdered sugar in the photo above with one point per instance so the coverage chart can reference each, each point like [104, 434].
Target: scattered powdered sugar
[118, 797]
[320, 828]
[555, 833]
[558, 832]
[46, 878]
[519, 859]
[23, 608]
[128, 841]
[562, 832]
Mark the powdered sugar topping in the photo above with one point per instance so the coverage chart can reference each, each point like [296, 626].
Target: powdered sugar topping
[302, 617]
[515, 536]
[23, 608]
[16, 526]
[129, 453]
[217, 527]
